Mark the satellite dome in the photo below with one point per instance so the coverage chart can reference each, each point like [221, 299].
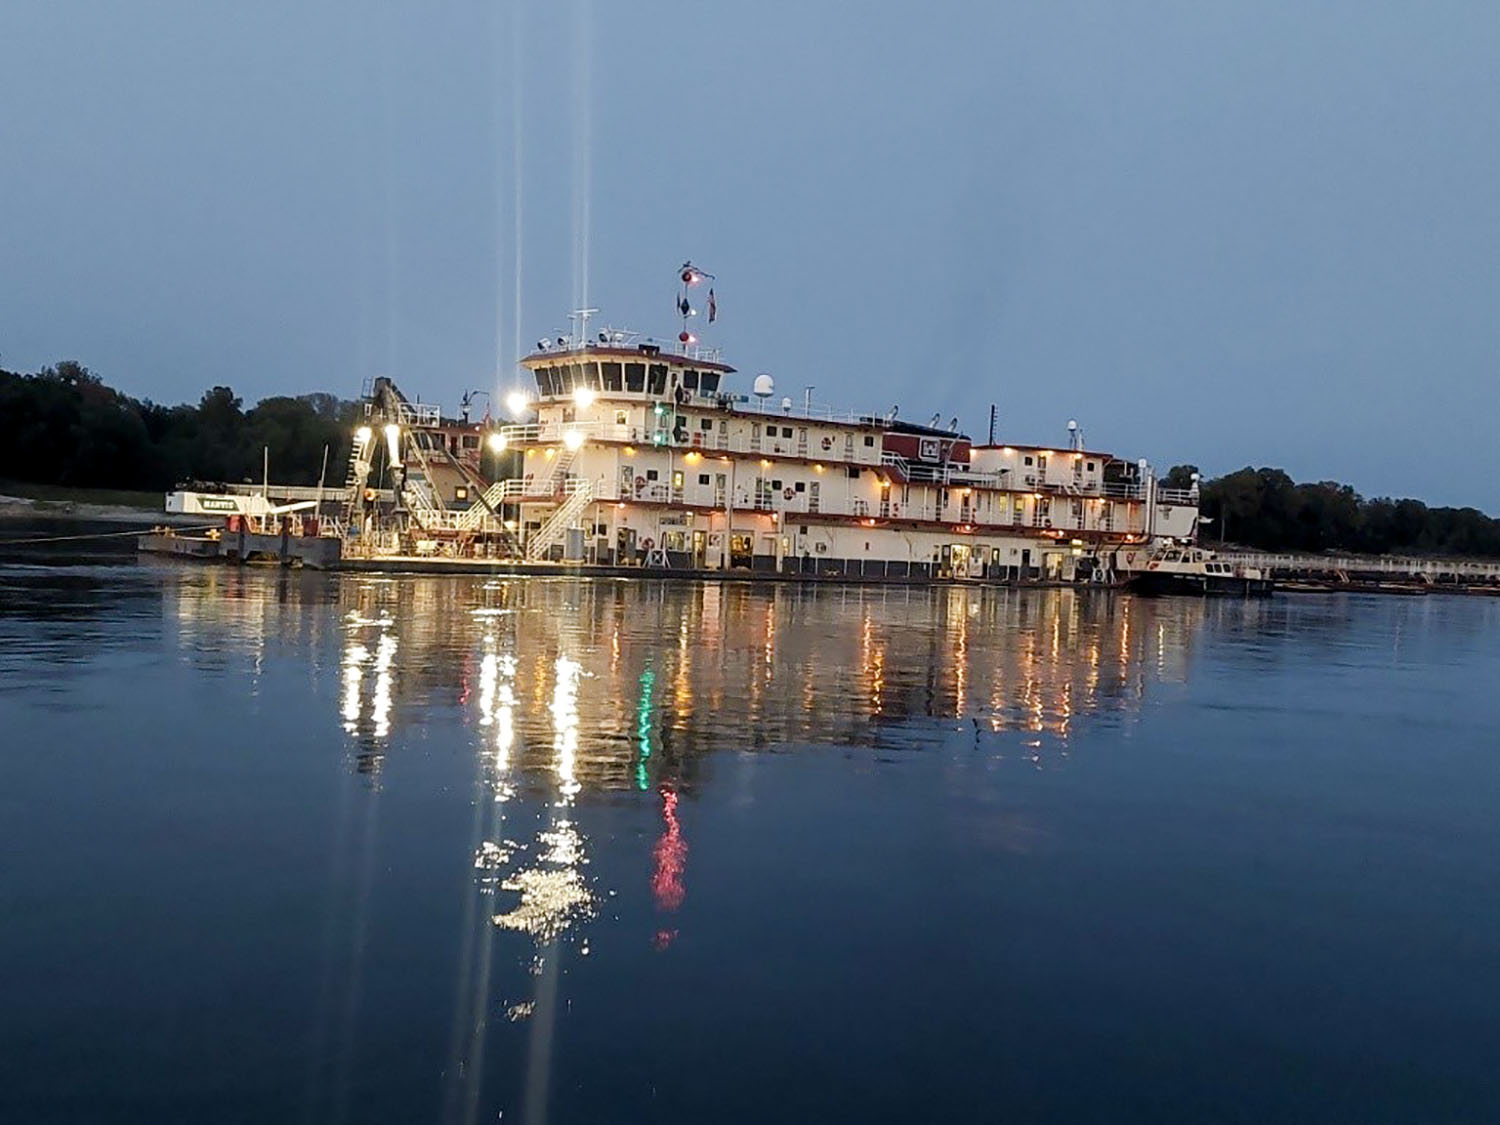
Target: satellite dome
[765, 386]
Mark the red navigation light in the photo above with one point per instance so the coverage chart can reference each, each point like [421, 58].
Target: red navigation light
[686, 337]
[690, 277]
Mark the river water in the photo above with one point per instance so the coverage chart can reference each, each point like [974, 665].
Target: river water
[344, 848]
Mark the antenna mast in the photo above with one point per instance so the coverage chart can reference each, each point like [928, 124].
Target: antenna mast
[691, 276]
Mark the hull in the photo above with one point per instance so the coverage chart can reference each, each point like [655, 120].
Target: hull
[1199, 585]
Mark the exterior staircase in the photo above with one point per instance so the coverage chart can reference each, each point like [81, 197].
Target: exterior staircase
[580, 494]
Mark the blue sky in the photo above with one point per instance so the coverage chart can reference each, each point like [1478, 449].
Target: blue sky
[1226, 233]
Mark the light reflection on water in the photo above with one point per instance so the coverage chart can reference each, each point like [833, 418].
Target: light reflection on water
[526, 759]
[607, 685]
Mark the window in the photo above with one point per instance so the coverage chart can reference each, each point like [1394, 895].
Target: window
[869, 441]
[690, 379]
[705, 423]
[622, 418]
[586, 375]
[652, 474]
[708, 382]
[702, 478]
[1091, 466]
[776, 484]
[611, 376]
[853, 472]
[1028, 460]
[677, 479]
[657, 384]
[786, 431]
[801, 486]
[471, 441]
[635, 377]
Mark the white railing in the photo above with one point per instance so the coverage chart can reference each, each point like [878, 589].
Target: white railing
[1176, 496]
[1098, 516]
[418, 413]
[1409, 565]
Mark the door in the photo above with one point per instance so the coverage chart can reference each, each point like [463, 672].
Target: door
[960, 556]
[740, 550]
[700, 549]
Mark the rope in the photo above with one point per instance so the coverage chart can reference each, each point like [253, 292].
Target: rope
[101, 535]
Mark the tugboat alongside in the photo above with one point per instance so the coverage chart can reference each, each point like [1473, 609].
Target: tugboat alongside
[1178, 569]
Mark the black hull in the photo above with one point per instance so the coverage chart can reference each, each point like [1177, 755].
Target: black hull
[1199, 585]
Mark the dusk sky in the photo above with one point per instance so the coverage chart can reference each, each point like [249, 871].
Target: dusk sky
[1257, 233]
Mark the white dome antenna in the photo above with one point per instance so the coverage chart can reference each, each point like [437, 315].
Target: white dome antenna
[765, 386]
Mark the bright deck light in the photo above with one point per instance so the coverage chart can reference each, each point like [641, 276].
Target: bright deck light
[496, 442]
[517, 402]
[393, 440]
[573, 439]
[584, 397]
[363, 435]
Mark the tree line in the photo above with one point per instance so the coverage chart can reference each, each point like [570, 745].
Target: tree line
[63, 425]
[1265, 508]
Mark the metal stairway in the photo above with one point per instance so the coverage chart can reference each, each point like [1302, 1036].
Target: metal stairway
[580, 494]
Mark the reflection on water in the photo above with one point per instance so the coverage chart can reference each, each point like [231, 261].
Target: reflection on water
[572, 688]
[468, 805]
[612, 685]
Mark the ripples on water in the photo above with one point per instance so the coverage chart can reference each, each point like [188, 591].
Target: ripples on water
[427, 847]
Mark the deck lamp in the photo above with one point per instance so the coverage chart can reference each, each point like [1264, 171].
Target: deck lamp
[393, 440]
[573, 439]
[496, 442]
[363, 435]
[584, 397]
[516, 402]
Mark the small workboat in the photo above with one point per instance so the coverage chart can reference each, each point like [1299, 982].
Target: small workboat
[1193, 570]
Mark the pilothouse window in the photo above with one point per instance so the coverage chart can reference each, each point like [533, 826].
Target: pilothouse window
[690, 379]
[611, 376]
[658, 381]
[635, 377]
[708, 382]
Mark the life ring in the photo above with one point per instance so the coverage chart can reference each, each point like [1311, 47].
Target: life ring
[646, 543]
[789, 492]
[827, 442]
[640, 483]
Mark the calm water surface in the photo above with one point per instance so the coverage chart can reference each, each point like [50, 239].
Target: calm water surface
[321, 848]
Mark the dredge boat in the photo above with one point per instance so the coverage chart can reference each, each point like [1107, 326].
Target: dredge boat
[643, 454]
